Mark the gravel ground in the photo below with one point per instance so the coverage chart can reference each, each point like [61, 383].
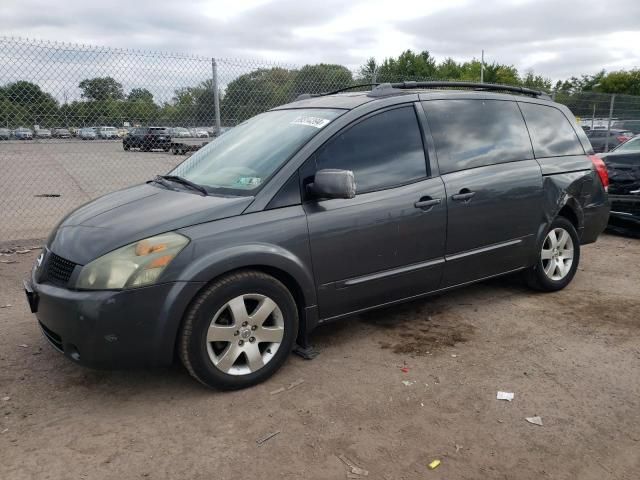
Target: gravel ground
[572, 357]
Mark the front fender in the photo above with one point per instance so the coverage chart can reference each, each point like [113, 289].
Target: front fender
[218, 262]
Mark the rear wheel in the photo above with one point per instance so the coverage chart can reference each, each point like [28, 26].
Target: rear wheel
[126, 147]
[239, 331]
[558, 258]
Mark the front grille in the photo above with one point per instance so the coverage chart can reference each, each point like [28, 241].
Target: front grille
[58, 269]
[53, 337]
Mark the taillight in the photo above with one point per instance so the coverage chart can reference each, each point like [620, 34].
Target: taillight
[601, 170]
[622, 138]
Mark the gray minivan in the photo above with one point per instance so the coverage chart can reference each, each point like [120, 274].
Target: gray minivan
[323, 208]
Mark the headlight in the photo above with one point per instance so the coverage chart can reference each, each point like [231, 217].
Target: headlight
[133, 265]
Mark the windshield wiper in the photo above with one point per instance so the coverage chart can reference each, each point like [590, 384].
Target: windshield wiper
[184, 181]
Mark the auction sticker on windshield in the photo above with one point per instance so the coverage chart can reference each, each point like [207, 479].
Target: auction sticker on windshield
[308, 121]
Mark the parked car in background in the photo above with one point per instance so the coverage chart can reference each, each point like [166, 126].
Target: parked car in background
[598, 138]
[88, 133]
[327, 207]
[5, 134]
[148, 138]
[222, 131]
[631, 125]
[123, 131]
[199, 133]
[42, 133]
[107, 133]
[61, 133]
[23, 133]
[623, 166]
[630, 146]
[180, 132]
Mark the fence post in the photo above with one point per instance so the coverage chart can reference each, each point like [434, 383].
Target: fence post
[606, 142]
[216, 94]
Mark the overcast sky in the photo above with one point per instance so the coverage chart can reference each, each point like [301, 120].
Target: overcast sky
[555, 38]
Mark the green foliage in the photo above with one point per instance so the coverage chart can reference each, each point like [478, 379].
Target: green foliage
[140, 95]
[408, 66]
[422, 66]
[256, 92]
[320, 78]
[625, 82]
[367, 72]
[25, 104]
[101, 88]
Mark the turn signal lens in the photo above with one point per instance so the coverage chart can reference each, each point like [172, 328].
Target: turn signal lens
[137, 264]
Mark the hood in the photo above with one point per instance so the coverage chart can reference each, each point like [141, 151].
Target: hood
[132, 214]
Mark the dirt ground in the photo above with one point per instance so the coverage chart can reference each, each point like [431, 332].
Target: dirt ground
[572, 358]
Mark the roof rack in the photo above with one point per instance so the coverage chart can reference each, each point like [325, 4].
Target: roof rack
[304, 96]
[385, 89]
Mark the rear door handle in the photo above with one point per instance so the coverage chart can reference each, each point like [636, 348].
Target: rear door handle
[427, 203]
[463, 196]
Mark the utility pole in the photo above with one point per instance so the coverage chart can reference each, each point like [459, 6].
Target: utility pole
[482, 68]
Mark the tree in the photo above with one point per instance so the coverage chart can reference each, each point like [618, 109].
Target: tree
[536, 82]
[449, 69]
[101, 88]
[256, 92]
[140, 95]
[408, 66]
[368, 71]
[624, 82]
[320, 78]
[27, 93]
[24, 103]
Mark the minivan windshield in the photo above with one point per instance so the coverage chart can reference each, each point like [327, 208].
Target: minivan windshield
[242, 159]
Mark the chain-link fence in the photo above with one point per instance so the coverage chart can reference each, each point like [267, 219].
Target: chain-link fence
[67, 111]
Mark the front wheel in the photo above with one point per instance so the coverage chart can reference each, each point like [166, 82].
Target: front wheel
[558, 258]
[239, 330]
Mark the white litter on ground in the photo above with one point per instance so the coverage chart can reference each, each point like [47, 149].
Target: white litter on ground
[508, 396]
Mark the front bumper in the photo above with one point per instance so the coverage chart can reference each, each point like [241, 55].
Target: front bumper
[112, 329]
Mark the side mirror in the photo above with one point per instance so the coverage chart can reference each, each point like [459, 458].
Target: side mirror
[333, 183]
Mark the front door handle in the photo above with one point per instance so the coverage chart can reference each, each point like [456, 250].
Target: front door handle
[427, 203]
[464, 195]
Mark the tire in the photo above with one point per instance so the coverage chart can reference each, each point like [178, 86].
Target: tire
[126, 147]
[225, 364]
[556, 264]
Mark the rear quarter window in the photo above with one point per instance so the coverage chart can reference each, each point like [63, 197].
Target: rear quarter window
[475, 133]
[551, 133]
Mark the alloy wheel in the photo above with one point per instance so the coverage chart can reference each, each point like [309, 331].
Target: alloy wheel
[557, 254]
[245, 334]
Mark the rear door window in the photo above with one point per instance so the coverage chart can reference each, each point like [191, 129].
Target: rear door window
[383, 151]
[551, 133]
[475, 133]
